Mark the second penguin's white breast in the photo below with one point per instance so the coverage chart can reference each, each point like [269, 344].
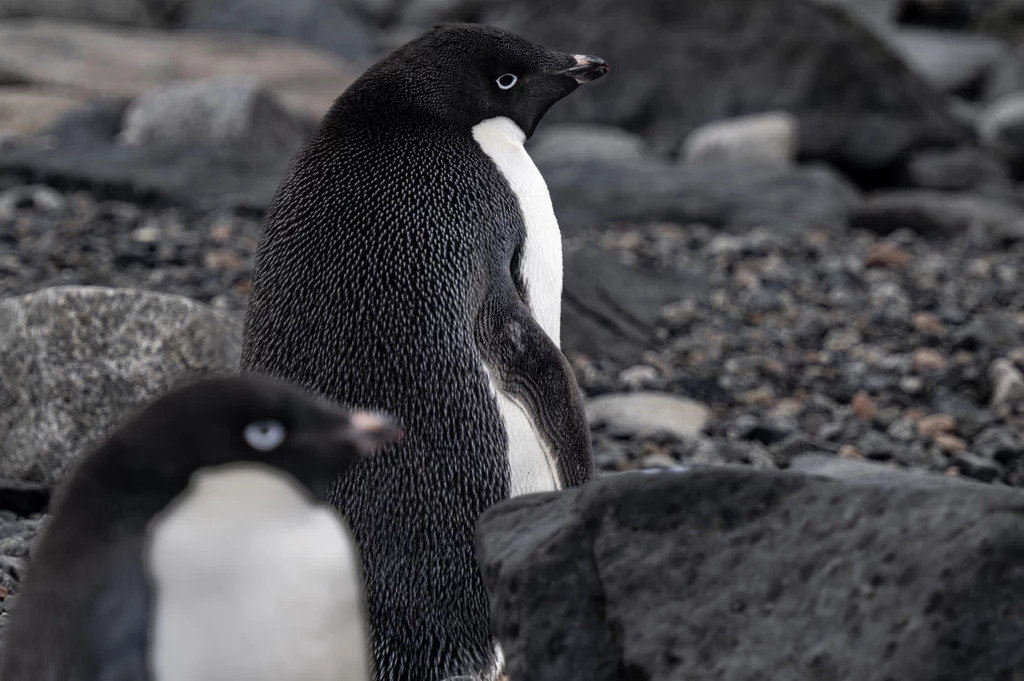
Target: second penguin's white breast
[531, 460]
[253, 581]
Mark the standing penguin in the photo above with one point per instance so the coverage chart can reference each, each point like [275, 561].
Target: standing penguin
[411, 263]
[189, 547]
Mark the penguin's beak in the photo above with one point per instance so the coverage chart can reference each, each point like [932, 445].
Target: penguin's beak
[586, 69]
[370, 431]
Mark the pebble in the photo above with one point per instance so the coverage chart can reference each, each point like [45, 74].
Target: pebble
[863, 406]
[929, 324]
[928, 360]
[875, 445]
[950, 444]
[978, 467]
[639, 376]
[930, 426]
[1007, 383]
[885, 254]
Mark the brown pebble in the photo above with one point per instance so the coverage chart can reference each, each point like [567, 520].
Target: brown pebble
[884, 254]
[863, 406]
[934, 424]
[223, 259]
[950, 444]
[928, 360]
[221, 232]
[926, 322]
[3, 592]
[953, 471]
[850, 452]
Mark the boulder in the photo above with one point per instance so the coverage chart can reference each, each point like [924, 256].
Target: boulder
[611, 305]
[582, 142]
[597, 192]
[767, 138]
[328, 25]
[952, 61]
[740, 574]
[27, 111]
[678, 65]
[99, 61]
[115, 12]
[221, 112]
[75, 360]
[991, 222]
[960, 168]
[647, 413]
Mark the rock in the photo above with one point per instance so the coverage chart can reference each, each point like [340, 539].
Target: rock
[646, 413]
[992, 222]
[873, 13]
[935, 424]
[959, 169]
[38, 197]
[28, 111]
[224, 111]
[998, 444]
[952, 61]
[767, 138]
[863, 406]
[884, 254]
[117, 12]
[1007, 383]
[1001, 126]
[598, 192]
[929, 360]
[927, 323]
[736, 574]
[1002, 18]
[858, 106]
[324, 24]
[99, 62]
[75, 360]
[581, 143]
[875, 445]
[611, 308]
[978, 467]
[860, 471]
[994, 329]
[950, 444]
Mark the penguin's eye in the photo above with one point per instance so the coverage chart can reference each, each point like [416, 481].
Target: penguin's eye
[506, 81]
[264, 435]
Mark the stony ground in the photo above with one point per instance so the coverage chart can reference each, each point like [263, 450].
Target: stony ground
[899, 349]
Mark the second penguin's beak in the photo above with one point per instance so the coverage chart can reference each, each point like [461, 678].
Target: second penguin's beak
[586, 69]
[371, 431]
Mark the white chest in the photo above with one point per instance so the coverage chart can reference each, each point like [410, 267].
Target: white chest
[531, 461]
[253, 581]
[502, 140]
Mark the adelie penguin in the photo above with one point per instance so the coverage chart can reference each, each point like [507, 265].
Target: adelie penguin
[190, 547]
[411, 263]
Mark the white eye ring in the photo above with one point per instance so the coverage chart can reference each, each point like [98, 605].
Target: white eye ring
[503, 79]
[264, 435]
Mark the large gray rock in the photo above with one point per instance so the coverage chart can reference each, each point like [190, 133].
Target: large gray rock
[736, 574]
[950, 60]
[116, 12]
[325, 24]
[990, 222]
[597, 192]
[75, 360]
[677, 65]
[648, 413]
[224, 111]
[582, 142]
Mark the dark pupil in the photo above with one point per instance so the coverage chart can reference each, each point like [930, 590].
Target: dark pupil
[506, 80]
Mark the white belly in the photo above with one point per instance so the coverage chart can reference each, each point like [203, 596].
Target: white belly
[253, 581]
[532, 463]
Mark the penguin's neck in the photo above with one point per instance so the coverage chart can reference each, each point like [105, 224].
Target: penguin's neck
[541, 263]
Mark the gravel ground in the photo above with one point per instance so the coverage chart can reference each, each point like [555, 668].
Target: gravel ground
[899, 349]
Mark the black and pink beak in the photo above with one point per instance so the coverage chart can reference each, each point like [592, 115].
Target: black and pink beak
[586, 69]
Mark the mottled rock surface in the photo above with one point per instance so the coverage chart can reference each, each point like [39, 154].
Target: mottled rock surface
[75, 360]
[734, 574]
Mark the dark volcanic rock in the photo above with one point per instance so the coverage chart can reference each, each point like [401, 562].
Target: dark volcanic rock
[676, 65]
[611, 308]
[941, 214]
[594, 192]
[732, 574]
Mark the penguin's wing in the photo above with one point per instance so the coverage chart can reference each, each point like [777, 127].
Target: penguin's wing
[531, 369]
[120, 626]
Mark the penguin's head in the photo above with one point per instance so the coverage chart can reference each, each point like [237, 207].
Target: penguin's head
[469, 73]
[237, 419]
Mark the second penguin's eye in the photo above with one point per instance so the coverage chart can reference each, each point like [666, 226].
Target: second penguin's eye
[264, 435]
[507, 81]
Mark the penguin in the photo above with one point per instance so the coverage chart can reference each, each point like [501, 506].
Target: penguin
[410, 262]
[191, 545]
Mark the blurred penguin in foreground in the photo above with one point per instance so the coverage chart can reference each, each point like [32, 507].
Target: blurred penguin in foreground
[191, 546]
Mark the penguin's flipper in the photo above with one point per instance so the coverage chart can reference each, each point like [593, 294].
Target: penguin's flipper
[531, 369]
[120, 629]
